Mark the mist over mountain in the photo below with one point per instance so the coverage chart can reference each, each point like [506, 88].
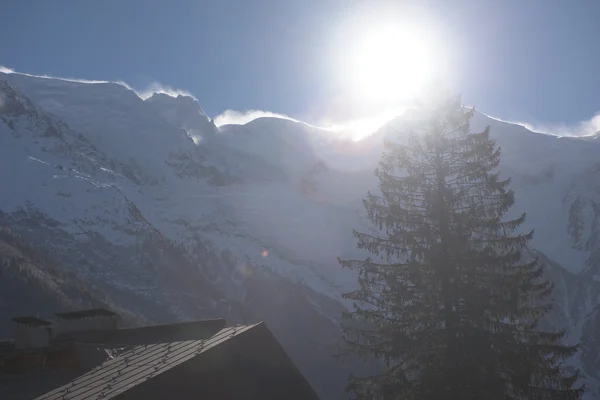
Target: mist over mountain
[169, 217]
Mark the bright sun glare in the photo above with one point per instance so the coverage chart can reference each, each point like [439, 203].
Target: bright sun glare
[383, 55]
[390, 64]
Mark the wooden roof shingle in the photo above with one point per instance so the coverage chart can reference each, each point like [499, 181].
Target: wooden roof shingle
[137, 365]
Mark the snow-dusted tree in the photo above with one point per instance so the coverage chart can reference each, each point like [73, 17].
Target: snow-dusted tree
[448, 302]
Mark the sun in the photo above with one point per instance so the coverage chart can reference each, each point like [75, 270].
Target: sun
[389, 64]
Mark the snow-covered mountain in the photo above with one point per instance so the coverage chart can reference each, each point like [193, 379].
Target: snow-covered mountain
[176, 218]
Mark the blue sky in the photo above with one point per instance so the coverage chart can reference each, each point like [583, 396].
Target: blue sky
[522, 60]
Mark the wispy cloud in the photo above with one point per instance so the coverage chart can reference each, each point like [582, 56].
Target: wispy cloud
[362, 126]
[156, 87]
[582, 128]
[356, 128]
[6, 70]
[233, 117]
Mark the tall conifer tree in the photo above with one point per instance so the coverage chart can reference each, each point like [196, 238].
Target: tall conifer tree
[448, 301]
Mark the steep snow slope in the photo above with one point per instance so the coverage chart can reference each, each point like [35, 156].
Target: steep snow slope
[245, 217]
[60, 193]
[161, 227]
[246, 221]
[542, 170]
[115, 120]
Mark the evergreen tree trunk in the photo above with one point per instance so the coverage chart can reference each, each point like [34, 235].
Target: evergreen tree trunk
[452, 308]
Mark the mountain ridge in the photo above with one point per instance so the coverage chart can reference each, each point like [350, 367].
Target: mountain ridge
[154, 202]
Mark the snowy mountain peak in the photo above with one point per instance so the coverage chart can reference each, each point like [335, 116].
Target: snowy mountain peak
[258, 211]
[182, 102]
[184, 112]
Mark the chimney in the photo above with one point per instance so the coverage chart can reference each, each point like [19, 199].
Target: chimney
[32, 332]
[93, 319]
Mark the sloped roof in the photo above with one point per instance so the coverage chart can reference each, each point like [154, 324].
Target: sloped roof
[137, 365]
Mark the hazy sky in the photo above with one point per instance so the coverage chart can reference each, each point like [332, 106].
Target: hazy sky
[527, 60]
